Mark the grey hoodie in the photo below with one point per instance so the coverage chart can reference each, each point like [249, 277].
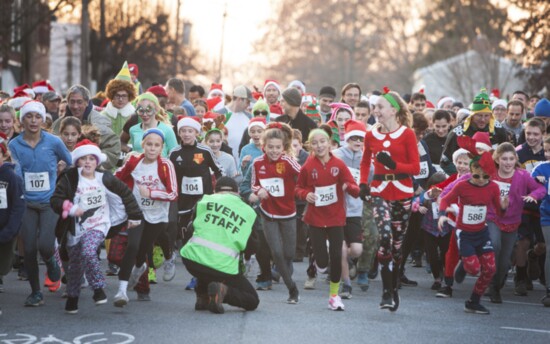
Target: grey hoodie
[354, 206]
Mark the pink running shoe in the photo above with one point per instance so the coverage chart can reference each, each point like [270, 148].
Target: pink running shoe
[335, 303]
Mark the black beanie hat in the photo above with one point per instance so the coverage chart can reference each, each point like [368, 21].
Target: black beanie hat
[328, 92]
[226, 184]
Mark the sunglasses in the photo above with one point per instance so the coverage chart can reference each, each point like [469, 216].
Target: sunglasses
[357, 138]
[258, 112]
[477, 176]
[149, 110]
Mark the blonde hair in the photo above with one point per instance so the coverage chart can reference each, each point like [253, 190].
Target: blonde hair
[281, 131]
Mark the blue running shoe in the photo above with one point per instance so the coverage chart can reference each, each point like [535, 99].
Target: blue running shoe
[192, 284]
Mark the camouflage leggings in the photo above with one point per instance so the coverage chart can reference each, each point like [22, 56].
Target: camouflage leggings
[370, 239]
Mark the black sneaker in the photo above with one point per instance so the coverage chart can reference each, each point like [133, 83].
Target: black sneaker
[445, 292]
[293, 296]
[529, 284]
[476, 308]
[216, 294]
[407, 282]
[460, 273]
[99, 296]
[521, 288]
[71, 306]
[387, 300]
[533, 267]
[396, 300]
[495, 296]
[436, 285]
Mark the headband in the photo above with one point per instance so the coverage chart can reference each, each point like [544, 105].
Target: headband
[317, 131]
[390, 98]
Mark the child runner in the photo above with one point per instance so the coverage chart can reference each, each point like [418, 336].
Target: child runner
[195, 165]
[542, 174]
[251, 151]
[351, 154]
[322, 183]
[436, 243]
[274, 181]
[152, 180]
[474, 197]
[36, 154]
[520, 187]
[12, 207]
[392, 185]
[214, 140]
[84, 198]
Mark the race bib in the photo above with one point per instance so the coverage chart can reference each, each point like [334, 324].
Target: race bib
[274, 186]
[435, 210]
[356, 173]
[474, 214]
[93, 199]
[148, 204]
[326, 195]
[37, 181]
[191, 186]
[3, 198]
[504, 188]
[421, 150]
[424, 172]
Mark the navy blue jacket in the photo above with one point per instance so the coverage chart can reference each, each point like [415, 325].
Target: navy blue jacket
[10, 218]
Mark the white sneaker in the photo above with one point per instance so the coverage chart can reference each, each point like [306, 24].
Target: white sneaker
[335, 303]
[135, 275]
[169, 268]
[121, 299]
[310, 283]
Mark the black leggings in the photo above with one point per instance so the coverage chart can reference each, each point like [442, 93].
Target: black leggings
[436, 258]
[153, 233]
[335, 236]
[413, 239]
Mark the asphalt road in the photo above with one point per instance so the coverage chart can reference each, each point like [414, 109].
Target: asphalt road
[170, 317]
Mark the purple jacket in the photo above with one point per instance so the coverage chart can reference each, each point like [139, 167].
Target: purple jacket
[522, 185]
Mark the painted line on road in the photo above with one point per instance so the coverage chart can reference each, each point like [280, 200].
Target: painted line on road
[517, 302]
[524, 329]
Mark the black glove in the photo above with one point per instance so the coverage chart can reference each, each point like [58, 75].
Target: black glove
[386, 160]
[364, 192]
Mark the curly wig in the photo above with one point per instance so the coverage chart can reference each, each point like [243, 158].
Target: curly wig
[115, 86]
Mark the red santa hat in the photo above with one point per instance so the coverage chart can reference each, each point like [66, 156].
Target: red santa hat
[158, 91]
[193, 122]
[429, 105]
[24, 88]
[18, 99]
[42, 86]
[256, 122]
[87, 147]
[215, 103]
[272, 83]
[216, 91]
[33, 106]
[482, 141]
[133, 69]
[444, 100]
[209, 117]
[257, 95]
[354, 128]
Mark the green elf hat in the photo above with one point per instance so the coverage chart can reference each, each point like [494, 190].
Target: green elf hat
[124, 73]
[481, 103]
[313, 113]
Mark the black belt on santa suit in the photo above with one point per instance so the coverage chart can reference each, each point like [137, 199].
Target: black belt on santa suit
[390, 176]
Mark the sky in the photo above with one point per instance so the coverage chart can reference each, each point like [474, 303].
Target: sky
[243, 19]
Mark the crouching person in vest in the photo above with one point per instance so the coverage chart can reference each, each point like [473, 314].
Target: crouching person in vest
[221, 233]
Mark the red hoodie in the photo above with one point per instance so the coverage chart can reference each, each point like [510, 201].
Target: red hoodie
[326, 180]
[279, 180]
